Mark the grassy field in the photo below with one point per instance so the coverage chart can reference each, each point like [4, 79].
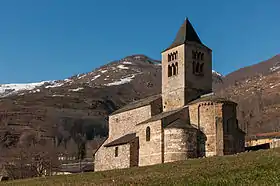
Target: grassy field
[251, 168]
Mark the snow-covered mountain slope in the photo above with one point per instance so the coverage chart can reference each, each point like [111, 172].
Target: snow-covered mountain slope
[113, 74]
[87, 99]
[9, 89]
[21, 88]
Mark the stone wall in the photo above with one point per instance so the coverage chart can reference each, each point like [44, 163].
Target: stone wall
[182, 114]
[219, 133]
[119, 125]
[173, 87]
[156, 107]
[240, 143]
[234, 138]
[150, 152]
[204, 116]
[134, 152]
[105, 158]
[186, 85]
[125, 122]
[197, 84]
[179, 144]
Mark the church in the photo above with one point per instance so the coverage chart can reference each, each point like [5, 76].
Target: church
[185, 121]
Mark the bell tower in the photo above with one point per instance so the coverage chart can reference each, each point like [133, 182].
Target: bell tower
[186, 69]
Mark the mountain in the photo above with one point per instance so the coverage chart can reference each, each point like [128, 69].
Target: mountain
[67, 109]
[263, 68]
[256, 89]
[80, 104]
[115, 73]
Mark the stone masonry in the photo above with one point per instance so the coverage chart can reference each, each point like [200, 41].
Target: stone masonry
[185, 121]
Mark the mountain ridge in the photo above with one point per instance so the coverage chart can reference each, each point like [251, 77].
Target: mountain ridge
[80, 105]
[23, 88]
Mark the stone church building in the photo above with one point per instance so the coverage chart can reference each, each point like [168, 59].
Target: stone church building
[185, 121]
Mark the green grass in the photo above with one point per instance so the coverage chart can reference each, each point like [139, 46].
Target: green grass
[252, 168]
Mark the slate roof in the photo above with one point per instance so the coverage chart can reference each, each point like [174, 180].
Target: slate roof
[180, 124]
[138, 103]
[161, 116]
[122, 140]
[186, 33]
[212, 98]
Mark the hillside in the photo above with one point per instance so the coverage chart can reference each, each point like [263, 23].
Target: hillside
[252, 168]
[78, 105]
[256, 90]
[77, 108]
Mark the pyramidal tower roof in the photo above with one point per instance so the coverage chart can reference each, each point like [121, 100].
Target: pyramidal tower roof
[185, 33]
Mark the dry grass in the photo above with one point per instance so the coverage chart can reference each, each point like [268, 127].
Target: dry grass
[253, 168]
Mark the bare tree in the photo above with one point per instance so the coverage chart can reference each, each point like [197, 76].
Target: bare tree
[44, 158]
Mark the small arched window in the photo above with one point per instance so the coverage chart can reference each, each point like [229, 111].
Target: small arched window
[173, 69]
[197, 68]
[193, 67]
[201, 68]
[194, 54]
[176, 65]
[148, 134]
[169, 57]
[202, 57]
[198, 55]
[116, 151]
[169, 71]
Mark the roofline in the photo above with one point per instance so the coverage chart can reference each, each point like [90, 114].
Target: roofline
[187, 42]
[119, 111]
[196, 101]
[121, 143]
[169, 113]
[100, 146]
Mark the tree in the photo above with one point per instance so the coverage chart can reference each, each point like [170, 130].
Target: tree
[44, 158]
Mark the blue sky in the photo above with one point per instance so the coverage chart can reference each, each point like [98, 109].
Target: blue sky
[55, 39]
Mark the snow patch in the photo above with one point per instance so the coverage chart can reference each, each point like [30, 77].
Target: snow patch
[121, 81]
[127, 63]
[76, 89]
[54, 84]
[122, 67]
[57, 95]
[274, 68]
[80, 77]
[103, 71]
[275, 85]
[95, 77]
[67, 80]
[7, 88]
